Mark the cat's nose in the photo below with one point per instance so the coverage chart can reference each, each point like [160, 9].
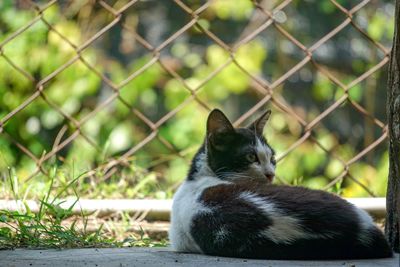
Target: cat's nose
[269, 175]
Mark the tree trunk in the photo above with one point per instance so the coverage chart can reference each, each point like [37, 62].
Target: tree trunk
[392, 228]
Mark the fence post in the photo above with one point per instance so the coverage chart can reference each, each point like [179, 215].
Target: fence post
[392, 227]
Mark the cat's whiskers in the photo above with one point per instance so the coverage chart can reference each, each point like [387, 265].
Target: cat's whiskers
[233, 175]
[220, 169]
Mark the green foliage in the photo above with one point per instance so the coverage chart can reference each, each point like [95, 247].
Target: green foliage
[54, 226]
[157, 167]
[238, 10]
[46, 229]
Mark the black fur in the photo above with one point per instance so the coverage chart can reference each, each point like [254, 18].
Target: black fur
[232, 149]
[320, 212]
[193, 167]
[227, 147]
[231, 156]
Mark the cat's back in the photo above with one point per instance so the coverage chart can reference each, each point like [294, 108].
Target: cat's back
[299, 202]
[282, 222]
[283, 213]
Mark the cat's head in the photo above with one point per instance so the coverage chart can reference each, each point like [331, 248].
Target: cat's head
[239, 153]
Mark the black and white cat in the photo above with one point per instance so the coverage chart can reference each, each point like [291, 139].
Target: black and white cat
[228, 206]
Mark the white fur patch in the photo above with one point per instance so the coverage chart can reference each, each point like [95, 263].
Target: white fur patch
[185, 206]
[221, 234]
[366, 223]
[202, 167]
[264, 155]
[260, 202]
[285, 228]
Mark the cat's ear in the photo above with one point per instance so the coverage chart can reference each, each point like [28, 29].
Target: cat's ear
[217, 122]
[259, 124]
[219, 130]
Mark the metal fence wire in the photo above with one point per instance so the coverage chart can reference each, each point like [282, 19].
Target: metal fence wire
[267, 22]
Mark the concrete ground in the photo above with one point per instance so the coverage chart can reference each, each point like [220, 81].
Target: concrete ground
[119, 257]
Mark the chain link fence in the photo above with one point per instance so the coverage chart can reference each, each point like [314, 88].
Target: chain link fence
[129, 32]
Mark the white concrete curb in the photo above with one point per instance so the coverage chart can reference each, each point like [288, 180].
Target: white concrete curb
[155, 209]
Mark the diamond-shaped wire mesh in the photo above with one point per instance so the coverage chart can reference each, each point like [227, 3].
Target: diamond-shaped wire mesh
[113, 86]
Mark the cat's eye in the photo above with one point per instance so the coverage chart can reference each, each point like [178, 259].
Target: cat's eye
[273, 160]
[251, 157]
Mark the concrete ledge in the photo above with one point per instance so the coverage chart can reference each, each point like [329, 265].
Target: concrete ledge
[120, 257]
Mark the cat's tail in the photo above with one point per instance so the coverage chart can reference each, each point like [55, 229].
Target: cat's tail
[373, 245]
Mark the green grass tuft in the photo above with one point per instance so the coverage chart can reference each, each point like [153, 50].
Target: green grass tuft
[54, 226]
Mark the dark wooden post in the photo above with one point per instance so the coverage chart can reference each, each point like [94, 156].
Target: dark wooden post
[392, 227]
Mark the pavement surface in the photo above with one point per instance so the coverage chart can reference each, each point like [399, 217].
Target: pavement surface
[120, 257]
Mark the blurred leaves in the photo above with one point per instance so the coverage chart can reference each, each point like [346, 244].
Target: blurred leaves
[156, 168]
